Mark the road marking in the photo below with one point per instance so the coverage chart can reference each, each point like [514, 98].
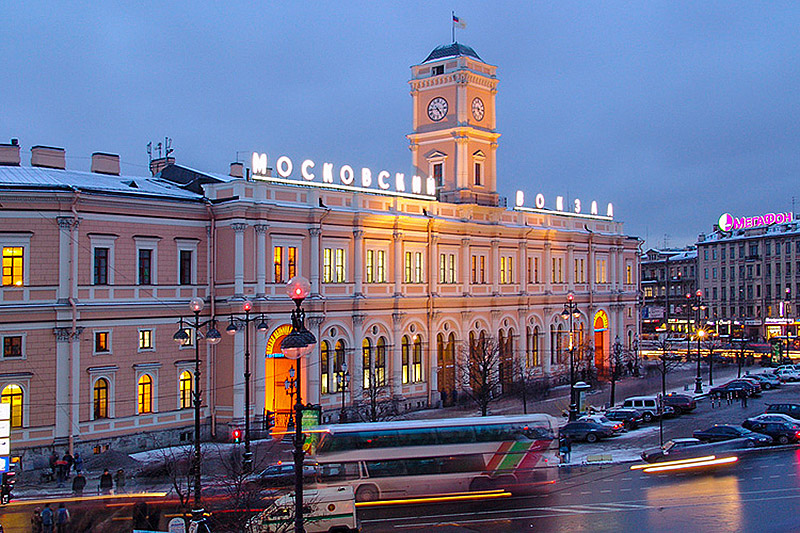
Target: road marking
[758, 477]
[605, 491]
[774, 476]
[625, 490]
[627, 478]
[585, 493]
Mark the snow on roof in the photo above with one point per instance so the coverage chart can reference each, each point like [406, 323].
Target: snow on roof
[51, 178]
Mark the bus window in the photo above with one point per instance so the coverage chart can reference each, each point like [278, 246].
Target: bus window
[332, 472]
[455, 435]
[386, 468]
[421, 467]
[462, 463]
[493, 433]
[377, 439]
[417, 437]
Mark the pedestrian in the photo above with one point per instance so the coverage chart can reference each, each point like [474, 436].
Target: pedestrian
[744, 398]
[728, 397]
[106, 482]
[78, 483]
[47, 519]
[119, 479]
[36, 521]
[562, 448]
[62, 518]
[53, 459]
[61, 471]
[78, 463]
[70, 461]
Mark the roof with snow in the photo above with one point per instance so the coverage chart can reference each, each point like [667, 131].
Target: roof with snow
[451, 50]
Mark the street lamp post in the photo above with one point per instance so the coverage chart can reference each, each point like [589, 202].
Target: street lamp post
[198, 524]
[570, 311]
[615, 367]
[295, 345]
[343, 380]
[232, 329]
[290, 385]
[697, 306]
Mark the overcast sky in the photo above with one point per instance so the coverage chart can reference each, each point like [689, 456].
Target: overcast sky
[674, 111]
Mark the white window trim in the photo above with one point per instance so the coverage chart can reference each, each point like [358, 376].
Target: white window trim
[334, 245]
[181, 367]
[192, 336]
[152, 340]
[479, 158]
[24, 382]
[284, 243]
[103, 241]
[94, 344]
[437, 157]
[186, 245]
[24, 335]
[17, 240]
[110, 375]
[142, 369]
[148, 243]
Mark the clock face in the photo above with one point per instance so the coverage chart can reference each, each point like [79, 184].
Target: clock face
[477, 109]
[437, 109]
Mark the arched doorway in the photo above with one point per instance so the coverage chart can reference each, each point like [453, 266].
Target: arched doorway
[601, 342]
[276, 372]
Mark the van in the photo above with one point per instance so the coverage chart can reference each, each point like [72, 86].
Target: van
[647, 406]
[331, 510]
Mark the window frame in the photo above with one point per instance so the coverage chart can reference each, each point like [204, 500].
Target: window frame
[95, 334]
[17, 240]
[186, 245]
[140, 338]
[23, 395]
[22, 346]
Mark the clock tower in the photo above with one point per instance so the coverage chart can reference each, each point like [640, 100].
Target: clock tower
[454, 138]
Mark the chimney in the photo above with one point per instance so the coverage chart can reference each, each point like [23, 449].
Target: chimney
[48, 157]
[237, 170]
[103, 163]
[9, 154]
[157, 165]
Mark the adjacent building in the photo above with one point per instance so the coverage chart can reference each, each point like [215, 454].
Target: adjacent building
[667, 276]
[406, 270]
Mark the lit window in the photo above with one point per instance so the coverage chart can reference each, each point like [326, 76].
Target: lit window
[278, 262]
[13, 257]
[145, 339]
[100, 404]
[292, 261]
[405, 346]
[380, 362]
[145, 394]
[381, 270]
[327, 265]
[474, 269]
[338, 360]
[12, 347]
[324, 349]
[185, 387]
[451, 269]
[370, 270]
[442, 268]
[340, 265]
[12, 394]
[502, 270]
[417, 360]
[418, 267]
[483, 269]
[101, 342]
[408, 267]
[366, 352]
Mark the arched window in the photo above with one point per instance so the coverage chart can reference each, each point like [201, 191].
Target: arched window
[535, 346]
[380, 362]
[366, 349]
[100, 398]
[417, 362]
[338, 360]
[553, 347]
[560, 343]
[12, 394]
[324, 351]
[145, 395]
[404, 349]
[185, 387]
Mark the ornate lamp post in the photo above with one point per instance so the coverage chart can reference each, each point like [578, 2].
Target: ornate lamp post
[343, 381]
[290, 385]
[570, 311]
[696, 306]
[198, 524]
[615, 362]
[295, 345]
[232, 329]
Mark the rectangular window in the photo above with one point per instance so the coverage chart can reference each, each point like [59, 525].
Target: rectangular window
[407, 268]
[442, 268]
[510, 270]
[503, 270]
[101, 342]
[536, 270]
[418, 267]
[417, 362]
[12, 347]
[340, 265]
[101, 266]
[327, 265]
[145, 339]
[451, 268]
[381, 271]
[145, 266]
[529, 267]
[277, 261]
[370, 273]
[777, 248]
[474, 269]
[483, 269]
[478, 174]
[185, 267]
[291, 262]
[438, 174]
[628, 274]
[714, 273]
[13, 257]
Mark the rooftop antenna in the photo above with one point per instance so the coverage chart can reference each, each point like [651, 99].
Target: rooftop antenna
[150, 151]
[167, 147]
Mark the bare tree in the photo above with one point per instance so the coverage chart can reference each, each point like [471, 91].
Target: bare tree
[713, 344]
[668, 361]
[241, 492]
[479, 371]
[378, 404]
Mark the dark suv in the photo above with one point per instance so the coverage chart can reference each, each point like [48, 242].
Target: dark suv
[790, 409]
[682, 403]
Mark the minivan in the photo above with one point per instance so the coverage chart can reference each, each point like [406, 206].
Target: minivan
[647, 406]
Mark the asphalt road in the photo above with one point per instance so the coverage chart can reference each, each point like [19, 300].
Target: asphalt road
[760, 493]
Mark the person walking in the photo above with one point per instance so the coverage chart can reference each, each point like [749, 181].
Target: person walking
[52, 461]
[78, 463]
[106, 482]
[119, 479]
[744, 399]
[61, 471]
[78, 483]
[47, 519]
[62, 518]
[36, 521]
[70, 459]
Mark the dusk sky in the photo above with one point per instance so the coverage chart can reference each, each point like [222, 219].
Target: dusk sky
[674, 111]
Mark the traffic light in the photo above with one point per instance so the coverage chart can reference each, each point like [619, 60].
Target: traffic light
[7, 486]
[237, 435]
[270, 420]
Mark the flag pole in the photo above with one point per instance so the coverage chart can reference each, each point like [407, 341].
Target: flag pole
[453, 24]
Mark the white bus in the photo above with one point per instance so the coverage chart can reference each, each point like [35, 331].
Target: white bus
[400, 459]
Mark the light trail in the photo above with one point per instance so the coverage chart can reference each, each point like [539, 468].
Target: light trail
[698, 464]
[457, 496]
[670, 463]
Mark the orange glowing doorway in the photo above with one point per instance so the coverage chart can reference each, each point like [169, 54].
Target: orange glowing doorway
[600, 342]
[276, 373]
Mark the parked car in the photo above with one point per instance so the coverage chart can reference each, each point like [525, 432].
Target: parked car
[647, 406]
[735, 388]
[720, 432]
[588, 431]
[788, 375]
[767, 417]
[651, 455]
[753, 381]
[616, 426]
[781, 432]
[681, 403]
[789, 409]
[768, 381]
[630, 418]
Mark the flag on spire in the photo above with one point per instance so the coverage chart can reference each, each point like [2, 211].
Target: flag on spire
[459, 23]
